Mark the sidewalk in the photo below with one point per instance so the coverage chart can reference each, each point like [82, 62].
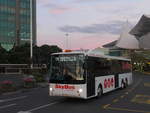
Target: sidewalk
[44, 84]
[23, 90]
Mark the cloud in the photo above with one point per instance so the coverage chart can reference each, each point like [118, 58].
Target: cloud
[59, 10]
[113, 27]
[85, 0]
[50, 5]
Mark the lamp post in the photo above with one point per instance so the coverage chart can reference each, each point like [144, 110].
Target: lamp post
[31, 37]
[67, 41]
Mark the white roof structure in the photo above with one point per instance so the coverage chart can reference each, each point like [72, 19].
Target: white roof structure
[98, 50]
[142, 27]
[126, 40]
[142, 32]
[145, 41]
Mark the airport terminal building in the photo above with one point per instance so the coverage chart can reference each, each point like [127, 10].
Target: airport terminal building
[15, 22]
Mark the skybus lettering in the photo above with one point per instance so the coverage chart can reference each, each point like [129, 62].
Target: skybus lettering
[109, 82]
[64, 87]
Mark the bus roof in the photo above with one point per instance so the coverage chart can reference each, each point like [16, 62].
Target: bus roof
[92, 54]
[74, 52]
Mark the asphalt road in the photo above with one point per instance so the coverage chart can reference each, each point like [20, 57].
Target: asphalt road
[134, 99]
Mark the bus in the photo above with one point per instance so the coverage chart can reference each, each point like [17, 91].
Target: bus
[86, 74]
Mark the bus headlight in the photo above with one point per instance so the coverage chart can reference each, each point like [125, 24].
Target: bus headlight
[51, 89]
[80, 90]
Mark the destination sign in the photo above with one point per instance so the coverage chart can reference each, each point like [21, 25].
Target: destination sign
[64, 59]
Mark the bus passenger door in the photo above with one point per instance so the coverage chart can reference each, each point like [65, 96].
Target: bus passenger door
[90, 85]
[116, 80]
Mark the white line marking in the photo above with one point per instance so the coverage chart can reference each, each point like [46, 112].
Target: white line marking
[40, 107]
[12, 99]
[23, 112]
[6, 106]
[136, 84]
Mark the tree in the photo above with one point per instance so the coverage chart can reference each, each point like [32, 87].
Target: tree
[3, 56]
[20, 54]
[42, 55]
[139, 59]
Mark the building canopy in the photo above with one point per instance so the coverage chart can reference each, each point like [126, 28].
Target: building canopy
[144, 41]
[126, 40]
[136, 38]
[142, 27]
[142, 32]
[98, 50]
[111, 45]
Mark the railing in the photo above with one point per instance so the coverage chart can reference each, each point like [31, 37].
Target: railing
[19, 68]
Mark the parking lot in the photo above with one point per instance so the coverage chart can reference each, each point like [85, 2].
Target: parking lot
[133, 99]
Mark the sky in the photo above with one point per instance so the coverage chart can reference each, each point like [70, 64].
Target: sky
[88, 23]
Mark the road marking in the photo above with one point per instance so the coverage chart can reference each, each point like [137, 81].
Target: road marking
[122, 96]
[147, 84]
[116, 100]
[40, 107]
[142, 99]
[24, 112]
[124, 109]
[6, 106]
[105, 106]
[12, 99]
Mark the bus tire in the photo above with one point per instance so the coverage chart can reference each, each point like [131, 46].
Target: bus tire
[99, 91]
[123, 85]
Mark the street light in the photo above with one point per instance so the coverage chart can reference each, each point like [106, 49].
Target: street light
[31, 37]
[67, 42]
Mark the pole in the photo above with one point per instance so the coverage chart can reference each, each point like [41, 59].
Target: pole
[31, 37]
[67, 41]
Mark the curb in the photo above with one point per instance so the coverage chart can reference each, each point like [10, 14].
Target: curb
[146, 73]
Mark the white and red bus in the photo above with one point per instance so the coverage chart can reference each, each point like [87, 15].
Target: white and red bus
[86, 75]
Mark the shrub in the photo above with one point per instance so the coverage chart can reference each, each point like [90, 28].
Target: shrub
[39, 78]
[29, 82]
[7, 86]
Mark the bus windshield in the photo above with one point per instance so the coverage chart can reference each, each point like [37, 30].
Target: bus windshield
[67, 68]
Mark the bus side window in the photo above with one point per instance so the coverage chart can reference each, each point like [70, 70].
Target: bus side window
[126, 66]
[92, 66]
[116, 67]
[104, 67]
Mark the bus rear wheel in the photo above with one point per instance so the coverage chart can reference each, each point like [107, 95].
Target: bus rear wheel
[123, 85]
[99, 92]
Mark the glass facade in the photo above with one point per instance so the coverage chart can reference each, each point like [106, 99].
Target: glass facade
[15, 22]
[24, 19]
